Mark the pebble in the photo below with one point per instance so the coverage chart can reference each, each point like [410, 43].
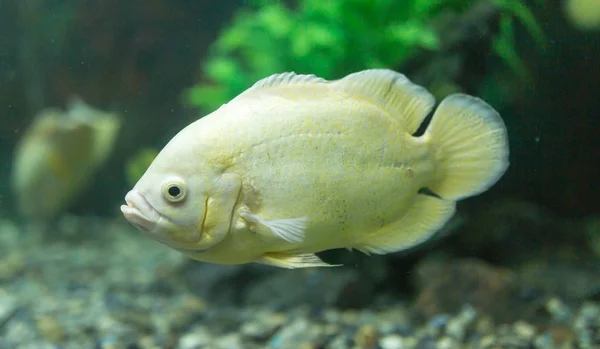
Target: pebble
[8, 309]
[11, 266]
[50, 329]
[393, 342]
[558, 310]
[263, 326]
[197, 338]
[125, 293]
[525, 330]
[366, 337]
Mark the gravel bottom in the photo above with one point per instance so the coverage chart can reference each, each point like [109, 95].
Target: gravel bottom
[115, 289]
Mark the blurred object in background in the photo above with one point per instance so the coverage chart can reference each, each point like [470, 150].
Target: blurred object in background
[583, 14]
[136, 165]
[58, 154]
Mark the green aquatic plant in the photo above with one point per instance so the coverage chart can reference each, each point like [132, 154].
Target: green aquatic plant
[329, 39]
[325, 38]
[504, 45]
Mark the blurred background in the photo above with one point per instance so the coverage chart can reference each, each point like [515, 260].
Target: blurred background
[136, 72]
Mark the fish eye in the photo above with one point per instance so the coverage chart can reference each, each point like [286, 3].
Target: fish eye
[174, 191]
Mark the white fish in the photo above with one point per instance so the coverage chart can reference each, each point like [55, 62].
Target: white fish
[58, 154]
[297, 165]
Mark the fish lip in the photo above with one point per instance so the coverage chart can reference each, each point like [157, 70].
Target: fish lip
[139, 211]
[141, 214]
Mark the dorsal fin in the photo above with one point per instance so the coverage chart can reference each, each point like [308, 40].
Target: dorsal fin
[288, 78]
[407, 102]
[283, 79]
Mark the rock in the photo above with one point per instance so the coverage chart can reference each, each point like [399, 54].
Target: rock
[507, 231]
[571, 279]
[283, 289]
[221, 284]
[444, 286]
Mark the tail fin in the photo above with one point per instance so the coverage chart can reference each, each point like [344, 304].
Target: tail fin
[472, 147]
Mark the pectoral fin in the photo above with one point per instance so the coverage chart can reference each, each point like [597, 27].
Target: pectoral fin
[293, 260]
[291, 230]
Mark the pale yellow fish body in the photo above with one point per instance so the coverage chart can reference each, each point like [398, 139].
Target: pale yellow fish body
[297, 165]
[57, 155]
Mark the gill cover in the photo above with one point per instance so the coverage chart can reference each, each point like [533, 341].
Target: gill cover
[220, 203]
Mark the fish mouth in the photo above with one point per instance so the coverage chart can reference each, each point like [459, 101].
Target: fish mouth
[139, 212]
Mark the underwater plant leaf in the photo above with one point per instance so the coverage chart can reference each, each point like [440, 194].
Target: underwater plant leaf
[504, 46]
[331, 39]
[222, 69]
[210, 97]
[232, 39]
[415, 34]
[526, 17]
[276, 19]
[424, 7]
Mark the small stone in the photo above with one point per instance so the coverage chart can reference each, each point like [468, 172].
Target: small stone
[194, 304]
[11, 266]
[392, 342]
[487, 341]
[349, 317]
[339, 342]
[439, 321]
[543, 341]
[558, 310]
[179, 318]
[447, 343]
[294, 332]
[50, 329]
[524, 330]
[366, 337]
[8, 308]
[198, 338]
[230, 341]
[561, 335]
[263, 326]
[255, 330]
[456, 328]
[484, 324]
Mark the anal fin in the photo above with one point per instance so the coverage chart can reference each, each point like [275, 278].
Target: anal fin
[426, 216]
[293, 260]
